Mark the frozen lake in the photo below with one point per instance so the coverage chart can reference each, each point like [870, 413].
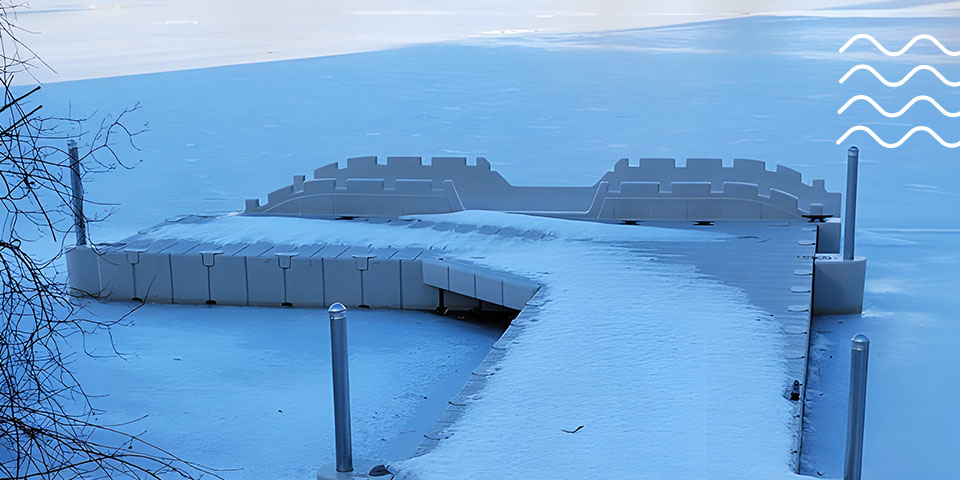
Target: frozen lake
[560, 109]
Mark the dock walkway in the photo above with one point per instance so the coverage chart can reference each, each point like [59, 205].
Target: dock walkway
[697, 333]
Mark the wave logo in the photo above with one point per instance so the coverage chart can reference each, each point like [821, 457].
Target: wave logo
[894, 84]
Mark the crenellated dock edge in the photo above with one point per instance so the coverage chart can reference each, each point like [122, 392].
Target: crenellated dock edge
[655, 189]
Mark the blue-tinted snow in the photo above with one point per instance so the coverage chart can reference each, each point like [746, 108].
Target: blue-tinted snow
[561, 110]
[248, 389]
[655, 358]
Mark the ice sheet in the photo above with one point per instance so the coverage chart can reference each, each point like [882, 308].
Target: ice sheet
[80, 39]
[248, 389]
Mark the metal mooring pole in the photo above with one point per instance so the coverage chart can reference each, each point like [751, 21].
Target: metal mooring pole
[341, 386]
[77, 185]
[850, 213]
[853, 456]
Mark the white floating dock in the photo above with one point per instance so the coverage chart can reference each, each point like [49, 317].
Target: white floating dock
[182, 271]
[664, 310]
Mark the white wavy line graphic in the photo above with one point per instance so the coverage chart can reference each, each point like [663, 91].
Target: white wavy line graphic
[922, 36]
[905, 78]
[921, 128]
[906, 107]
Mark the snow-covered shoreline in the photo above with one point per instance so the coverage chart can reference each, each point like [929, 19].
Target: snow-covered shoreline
[81, 40]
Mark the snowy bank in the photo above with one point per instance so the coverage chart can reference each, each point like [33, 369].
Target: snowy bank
[79, 39]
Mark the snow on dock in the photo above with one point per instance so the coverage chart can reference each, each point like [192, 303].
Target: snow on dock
[664, 341]
[664, 310]
[652, 352]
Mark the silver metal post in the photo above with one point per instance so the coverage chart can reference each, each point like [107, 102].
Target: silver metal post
[850, 213]
[341, 386]
[853, 456]
[79, 226]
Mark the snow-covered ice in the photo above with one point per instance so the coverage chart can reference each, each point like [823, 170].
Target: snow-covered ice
[910, 316]
[248, 389]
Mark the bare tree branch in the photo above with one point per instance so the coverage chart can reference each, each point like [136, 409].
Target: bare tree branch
[48, 428]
